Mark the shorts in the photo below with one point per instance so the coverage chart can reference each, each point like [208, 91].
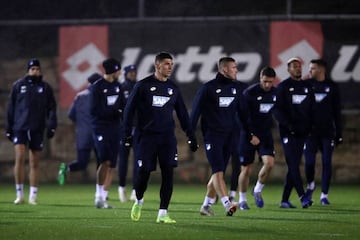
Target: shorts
[218, 148]
[247, 150]
[156, 147]
[106, 141]
[33, 139]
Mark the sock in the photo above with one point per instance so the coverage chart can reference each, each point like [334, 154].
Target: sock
[242, 197]
[311, 185]
[162, 212]
[141, 201]
[232, 194]
[211, 201]
[33, 192]
[206, 201]
[258, 187]
[19, 190]
[99, 191]
[323, 195]
[225, 201]
[105, 194]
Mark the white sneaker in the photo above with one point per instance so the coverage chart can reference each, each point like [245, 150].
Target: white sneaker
[32, 201]
[133, 195]
[19, 201]
[107, 206]
[99, 203]
[122, 194]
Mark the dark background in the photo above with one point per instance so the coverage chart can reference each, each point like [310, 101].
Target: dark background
[92, 9]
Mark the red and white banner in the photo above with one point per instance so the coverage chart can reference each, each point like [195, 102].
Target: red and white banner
[294, 39]
[81, 52]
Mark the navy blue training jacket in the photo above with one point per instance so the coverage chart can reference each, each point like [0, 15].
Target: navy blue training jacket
[294, 107]
[258, 105]
[106, 103]
[217, 102]
[154, 102]
[79, 113]
[327, 108]
[31, 105]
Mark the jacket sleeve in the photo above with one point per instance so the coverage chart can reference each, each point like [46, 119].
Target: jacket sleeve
[197, 107]
[72, 110]
[11, 108]
[337, 111]
[183, 115]
[51, 109]
[129, 111]
[279, 111]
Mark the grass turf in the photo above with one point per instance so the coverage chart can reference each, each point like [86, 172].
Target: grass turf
[68, 212]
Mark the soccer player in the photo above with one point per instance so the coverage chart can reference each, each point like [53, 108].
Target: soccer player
[327, 131]
[154, 99]
[293, 111]
[79, 114]
[217, 103]
[31, 110]
[259, 100]
[106, 108]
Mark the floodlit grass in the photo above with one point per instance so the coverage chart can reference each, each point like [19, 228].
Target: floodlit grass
[68, 212]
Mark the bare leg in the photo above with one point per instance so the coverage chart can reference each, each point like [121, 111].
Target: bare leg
[19, 168]
[266, 168]
[244, 178]
[34, 160]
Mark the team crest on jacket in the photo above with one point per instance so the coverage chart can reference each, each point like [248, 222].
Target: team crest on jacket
[40, 89]
[152, 89]
[306, 90]
[233, 90]
[170, 91]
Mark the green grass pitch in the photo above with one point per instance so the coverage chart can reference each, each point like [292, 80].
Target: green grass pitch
[68, 212]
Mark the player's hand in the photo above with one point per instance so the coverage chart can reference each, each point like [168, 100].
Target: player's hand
[193, 144]
[50, 133]
[128, 141]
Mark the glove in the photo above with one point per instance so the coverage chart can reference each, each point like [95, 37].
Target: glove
[128, 141]
[9, 135]
[338, 140]
[50, 133]
[193, 144]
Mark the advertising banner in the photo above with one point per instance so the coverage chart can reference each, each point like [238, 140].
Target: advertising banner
[81, 52]
[198, 45]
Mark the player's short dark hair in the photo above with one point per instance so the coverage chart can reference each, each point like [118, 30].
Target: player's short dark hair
[224, 60]
[319, 62]
[267, 71]
[162, 55]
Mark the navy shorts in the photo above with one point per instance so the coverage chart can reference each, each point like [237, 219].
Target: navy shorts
[218, 148]
[107, 145]
[33, 139]
[154, 147]
[247, 150]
